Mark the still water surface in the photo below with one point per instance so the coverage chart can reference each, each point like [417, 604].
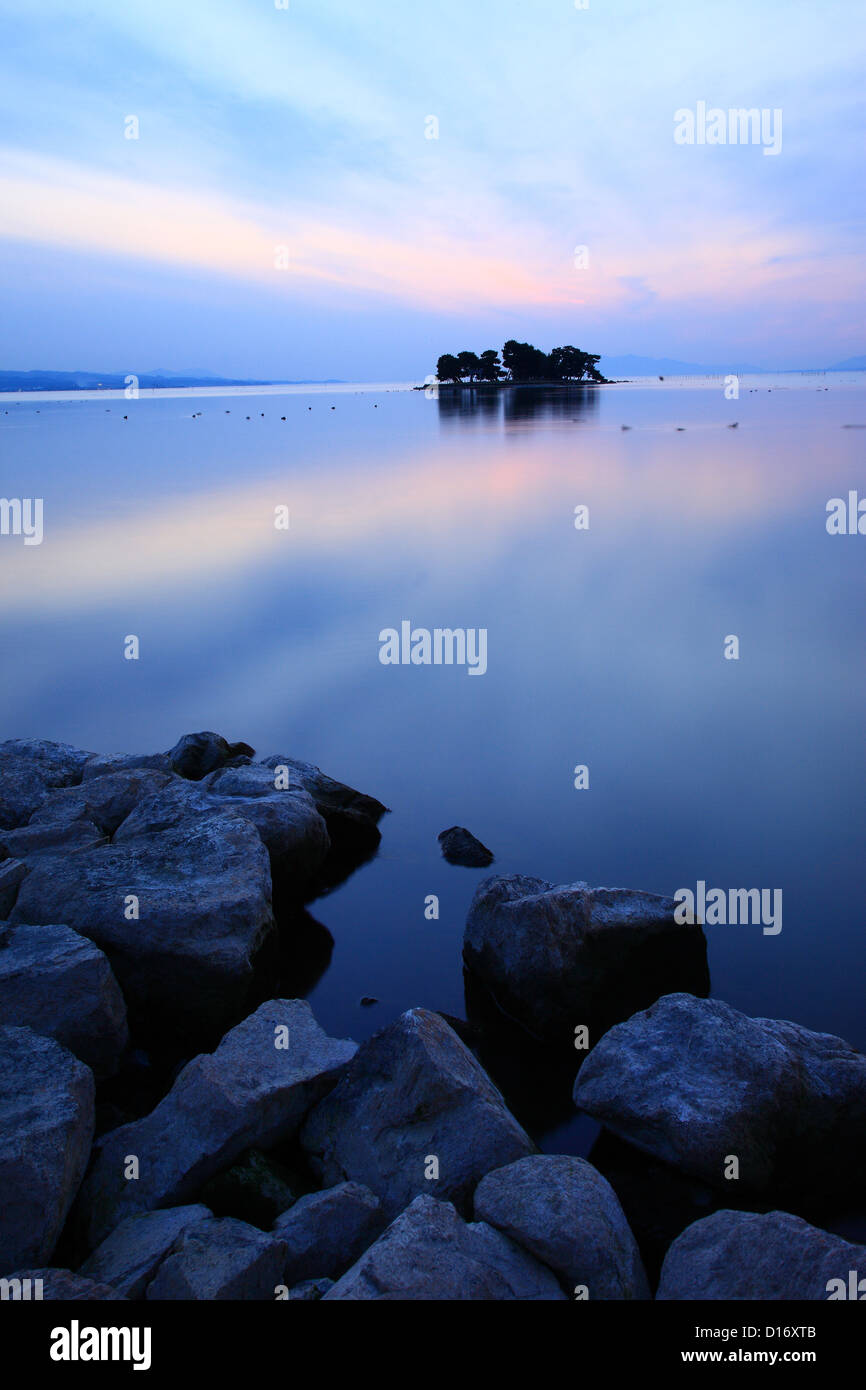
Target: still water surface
[605, 646]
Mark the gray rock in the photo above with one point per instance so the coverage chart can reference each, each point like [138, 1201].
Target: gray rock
[311, 1290]
[555, 957]
[740, 1255]
[694, 1082]
[29, 769]
[251, 1091]
[60, 1286]
[99, 764]
[219, 1259]
[46, 1129]
[195, 755]
[459, 846]
[287, 821]
[204, 901]
[58, 983]
[328, 794]
[43, 839]
[103, 801]
[567, 1215]
[326, 1232]
[12, 874]
[413, 1092]
[129, 1258]
[350, 816]
[429, 1252]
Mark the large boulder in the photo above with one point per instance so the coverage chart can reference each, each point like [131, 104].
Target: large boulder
[554, 957]
[697, 1084]
[129, 1257]
[326, 1232]
[430, 1253]
[44, 839]
[46, 1129]
[195, 755]
[181, 913]
[414, 1100]
[252, 1091]
[101, 801]
[351, 816]
[286, 819]
[59, 983]
[100, 764]
[219, 1259]
[564, 1213]
[29, 770]
[741, 1255]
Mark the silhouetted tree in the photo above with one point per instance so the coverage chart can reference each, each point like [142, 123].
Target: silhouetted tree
[490, 368]
[468, 365]
[448, 368]
[523, 362]
[571, 364]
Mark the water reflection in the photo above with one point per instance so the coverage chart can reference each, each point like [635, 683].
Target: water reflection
[516, 405]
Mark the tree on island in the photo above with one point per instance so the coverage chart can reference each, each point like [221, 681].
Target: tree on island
[520, 362]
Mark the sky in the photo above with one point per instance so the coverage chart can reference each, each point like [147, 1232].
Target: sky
[299, 189]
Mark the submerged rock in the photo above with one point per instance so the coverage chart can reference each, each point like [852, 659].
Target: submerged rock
[741, 1255]
[46, 1128]
[565, 1214]
[459, 846]
[58, 983]
[555, 957]
[698, 1084]
[430, 1253]
[253, 1091]
[129, 1258]
[219, 1259]
[326, 1232]
[414, 1093]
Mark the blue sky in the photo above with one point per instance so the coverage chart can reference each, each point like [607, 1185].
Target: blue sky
[283, 212]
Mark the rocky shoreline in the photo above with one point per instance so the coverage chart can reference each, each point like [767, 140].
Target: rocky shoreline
[174, 1128]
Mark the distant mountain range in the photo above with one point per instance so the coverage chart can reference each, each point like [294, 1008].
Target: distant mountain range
[613, 367]
[116, 381]
[671, 366]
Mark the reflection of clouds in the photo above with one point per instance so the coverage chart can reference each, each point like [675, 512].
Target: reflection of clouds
[467, 499]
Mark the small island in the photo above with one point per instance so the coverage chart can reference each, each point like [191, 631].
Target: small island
[520, 364]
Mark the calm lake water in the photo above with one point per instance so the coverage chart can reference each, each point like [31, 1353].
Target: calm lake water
[605, 646]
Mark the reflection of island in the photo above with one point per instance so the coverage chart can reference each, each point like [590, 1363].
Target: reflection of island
[520, 363]
[515, 403]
